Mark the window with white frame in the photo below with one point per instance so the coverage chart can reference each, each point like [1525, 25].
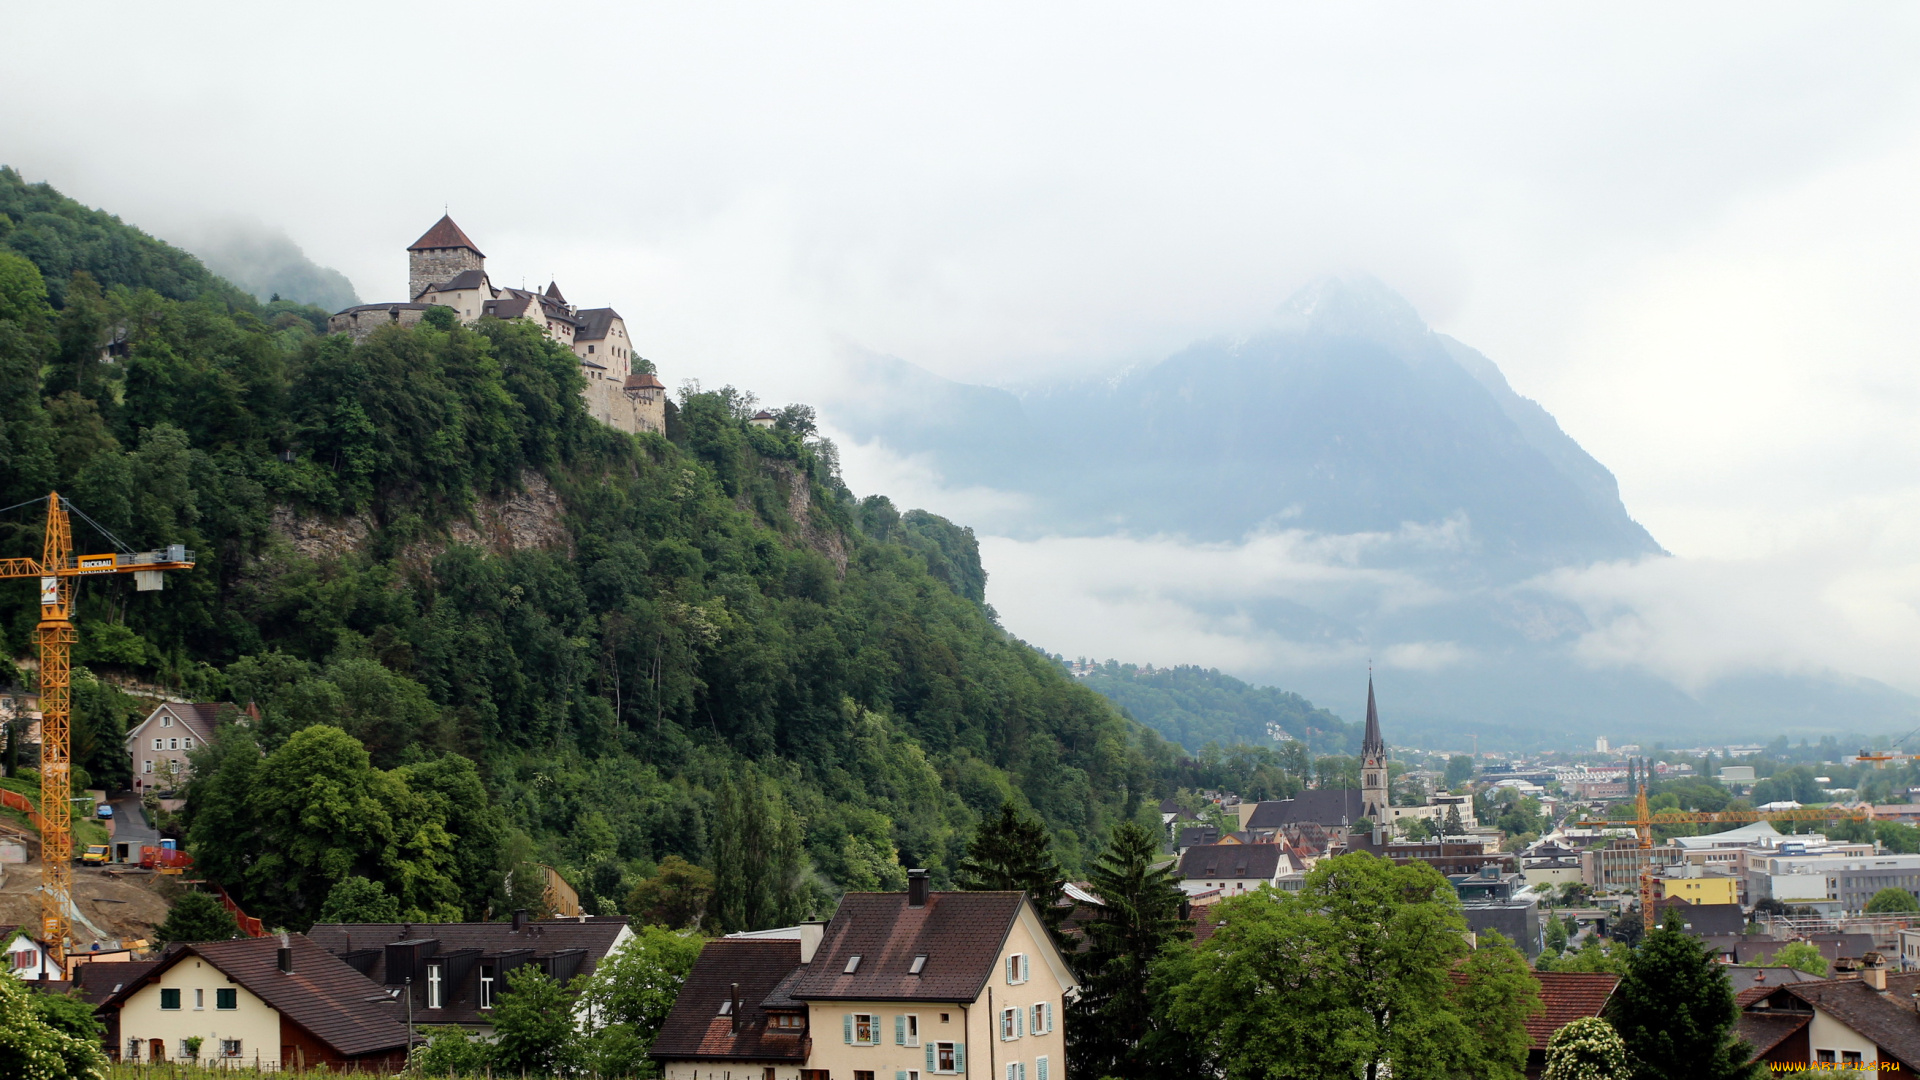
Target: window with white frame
[229, 1048]
[486, 986]
[166, 721]
[906, 1029]
[946, 1057]
[435, 986]
[149, 766]
[159, 744]
[1016, 1070]
[863, 1029]
[1017, 969]
[1010, 1024]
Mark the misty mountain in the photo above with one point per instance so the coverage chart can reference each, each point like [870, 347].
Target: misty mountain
[1348, 416]
[1432, 503]
[267, 263]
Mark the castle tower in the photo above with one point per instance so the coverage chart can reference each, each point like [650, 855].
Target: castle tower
[1373, 766]
[439, 255]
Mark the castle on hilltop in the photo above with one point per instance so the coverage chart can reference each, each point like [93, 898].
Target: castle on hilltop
[445, 269]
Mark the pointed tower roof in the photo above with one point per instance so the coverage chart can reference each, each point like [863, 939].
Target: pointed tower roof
[445, 234]
[1373, 744]
[553, 292]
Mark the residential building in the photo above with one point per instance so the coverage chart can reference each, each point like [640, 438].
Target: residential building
[1829, 879]
[27, 958]
[915, 985]
[273, 1003]
[157, 747]
[455, 972]
[1236, 869]
[1866, 1023]
[1449, 856]
[733, 1016]
[1704, 919]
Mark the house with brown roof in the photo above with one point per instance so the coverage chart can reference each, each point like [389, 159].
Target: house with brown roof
[454, 972]
[916, 984]
[157, 747]
[1566, 996]
[1867, 1022]
[1233, 869]
[274, 1003]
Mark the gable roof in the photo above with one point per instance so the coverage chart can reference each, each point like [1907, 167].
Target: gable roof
[98, 982]
[334, 1003]
[1889, 1019]
[645, 380]
[445, 234]
[465, 279]
[1324, 806]
[595, 323]
[1766, 1030]
[1568, 996]
[1706, 920]
[960, 933]
[696, 1028]
[1236, 860]
[198, 716]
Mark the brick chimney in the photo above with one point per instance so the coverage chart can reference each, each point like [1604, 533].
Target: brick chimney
[916, 888]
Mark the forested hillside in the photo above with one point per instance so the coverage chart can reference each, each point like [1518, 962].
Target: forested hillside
[530, 638]
[1195, 706]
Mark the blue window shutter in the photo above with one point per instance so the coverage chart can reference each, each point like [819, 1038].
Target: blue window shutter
[900, 1030]
[1040, 1069]
[847, 1026]
[1049, 1007]
[960, 1057]
[900, 1074]
[930, 1059]
[1019, 1022]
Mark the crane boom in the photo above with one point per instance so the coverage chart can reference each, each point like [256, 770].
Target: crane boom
[1644, 820]
[59, 573]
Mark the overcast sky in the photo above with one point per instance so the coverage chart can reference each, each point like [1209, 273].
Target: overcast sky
[1688, 230]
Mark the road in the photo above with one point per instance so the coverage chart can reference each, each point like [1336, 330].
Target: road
[130, 825]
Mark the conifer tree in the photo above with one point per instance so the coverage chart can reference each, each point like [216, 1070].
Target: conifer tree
[1675, 1012]
[1454, 826]
[1113, 1029]
[1014, 852]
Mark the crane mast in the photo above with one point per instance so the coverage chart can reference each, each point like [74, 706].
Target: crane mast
[59, 572]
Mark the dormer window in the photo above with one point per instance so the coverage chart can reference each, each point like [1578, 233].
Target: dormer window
[919, 962]
[853, 964]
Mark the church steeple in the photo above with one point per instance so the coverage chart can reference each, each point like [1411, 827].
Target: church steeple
[1374, 799]
[1373, 746]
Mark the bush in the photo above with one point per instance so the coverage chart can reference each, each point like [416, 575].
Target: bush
[1586, 1049]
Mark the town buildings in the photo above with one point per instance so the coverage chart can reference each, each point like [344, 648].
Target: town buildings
[272, 1003]
[157, 747]
[914, 985]
[447, 269]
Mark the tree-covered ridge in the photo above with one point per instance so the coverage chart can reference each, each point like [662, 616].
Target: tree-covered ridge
[698, 645]
[1195, 706]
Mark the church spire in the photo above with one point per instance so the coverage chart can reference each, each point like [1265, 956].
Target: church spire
[1373, 745]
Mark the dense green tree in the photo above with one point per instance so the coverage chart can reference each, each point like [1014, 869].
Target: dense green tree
[1494, 998]
[197, 916]
[1892, 900]
[1674, 1009]
[1459, 771]
[1011, 851]
[312, 813]
[1453, 826]
[634, 988]
[451, 1051]
[676, 896]
[533, 1026]
[1354, 975]
[357, 900]
[1113, 1028]
[37, 1039]
[70, 1013]
[757, 855]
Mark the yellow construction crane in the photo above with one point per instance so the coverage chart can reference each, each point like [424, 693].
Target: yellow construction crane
[1643, 822]
[59, 573]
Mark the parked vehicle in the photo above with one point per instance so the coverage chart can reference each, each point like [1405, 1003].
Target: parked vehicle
[164, 859]
[96, 853]
[103, 811]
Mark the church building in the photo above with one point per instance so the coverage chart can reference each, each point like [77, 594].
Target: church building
[446, 269]
[1373, 767]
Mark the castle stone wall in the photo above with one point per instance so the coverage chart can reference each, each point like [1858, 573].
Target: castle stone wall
[433, 265]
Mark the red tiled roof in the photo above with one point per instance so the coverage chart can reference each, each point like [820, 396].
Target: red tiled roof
[1568, 996]
[696, 1028]
[645, 380]
[445, 234]
[334, 1003]
[960, 934]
